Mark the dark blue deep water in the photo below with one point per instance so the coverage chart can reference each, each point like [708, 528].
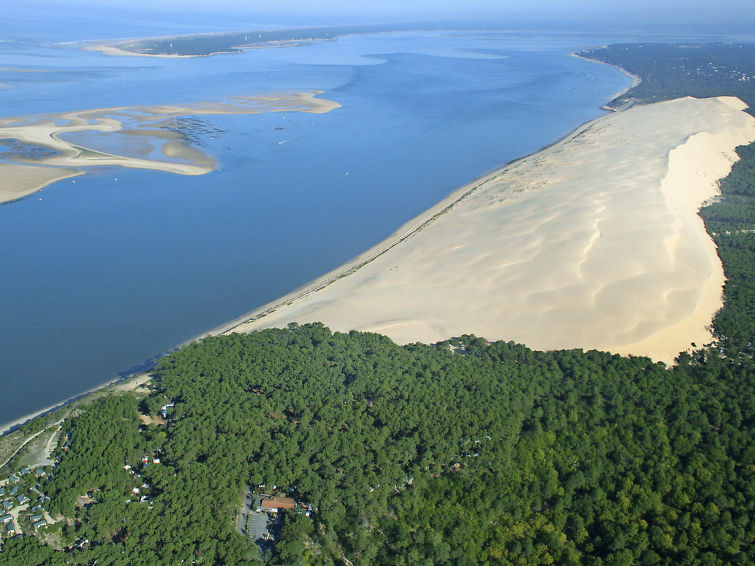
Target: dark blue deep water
[100, 275]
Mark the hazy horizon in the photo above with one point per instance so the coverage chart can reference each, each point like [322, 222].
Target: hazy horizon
[733, 17]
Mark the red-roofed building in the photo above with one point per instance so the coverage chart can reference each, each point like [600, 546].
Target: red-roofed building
[275, 504]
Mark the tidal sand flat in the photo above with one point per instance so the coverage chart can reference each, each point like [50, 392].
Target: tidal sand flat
[594, 242]
[39, 153]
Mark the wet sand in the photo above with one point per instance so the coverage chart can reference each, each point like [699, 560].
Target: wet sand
[44, 155]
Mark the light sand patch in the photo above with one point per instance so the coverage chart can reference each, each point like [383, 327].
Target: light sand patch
[28, 180]
[179, 150]
[117, 51]
[594, 242]
[137, 383]
[278, 102]
[22, 174]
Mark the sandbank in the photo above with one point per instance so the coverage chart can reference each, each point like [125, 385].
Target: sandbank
[28, 180]
[130, 47]
[43, 155]
[594, 242]
[113, 49]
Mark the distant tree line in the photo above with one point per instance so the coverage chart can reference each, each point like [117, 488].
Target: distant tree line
[669, 71]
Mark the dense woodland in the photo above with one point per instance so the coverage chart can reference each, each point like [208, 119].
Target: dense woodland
[673, 70]
[463, 452]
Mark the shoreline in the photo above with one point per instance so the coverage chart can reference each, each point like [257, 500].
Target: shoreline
[404, 232]
[599, 245]
[407, 231]
[413, 225]
[143, 373]
[635, 81]
[110, 46]
[113, 50]
[11, 196]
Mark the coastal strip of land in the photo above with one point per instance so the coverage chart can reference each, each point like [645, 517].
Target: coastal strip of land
[39, 150]
[594, 242]
[131, 49]
[208, 44]
[635, 82]
[137, 383]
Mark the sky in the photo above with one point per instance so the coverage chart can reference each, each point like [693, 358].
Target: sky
[728, 17]
[326, 11]
[572, 10]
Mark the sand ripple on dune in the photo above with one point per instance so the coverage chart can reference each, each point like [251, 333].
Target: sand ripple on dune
[594, 242]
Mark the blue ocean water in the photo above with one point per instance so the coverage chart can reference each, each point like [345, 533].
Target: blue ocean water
[99, 275]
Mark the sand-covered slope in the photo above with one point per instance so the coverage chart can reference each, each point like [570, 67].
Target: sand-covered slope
[594, 242]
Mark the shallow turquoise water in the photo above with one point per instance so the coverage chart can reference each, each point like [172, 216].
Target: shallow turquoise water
[99, 275]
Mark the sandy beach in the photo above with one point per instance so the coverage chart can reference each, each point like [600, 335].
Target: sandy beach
[114, 50]
[594, 243]
[136, 382]
[131, 47]
[39, 153]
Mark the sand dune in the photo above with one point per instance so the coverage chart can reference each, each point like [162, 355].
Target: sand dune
[40, 154]
[594, 242]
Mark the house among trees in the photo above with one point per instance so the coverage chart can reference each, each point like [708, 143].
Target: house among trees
[275, 504]
[164, 409]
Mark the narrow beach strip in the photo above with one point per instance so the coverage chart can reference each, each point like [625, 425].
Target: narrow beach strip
[130, 382]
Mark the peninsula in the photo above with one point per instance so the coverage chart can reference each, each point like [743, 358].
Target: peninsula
[206, 44]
